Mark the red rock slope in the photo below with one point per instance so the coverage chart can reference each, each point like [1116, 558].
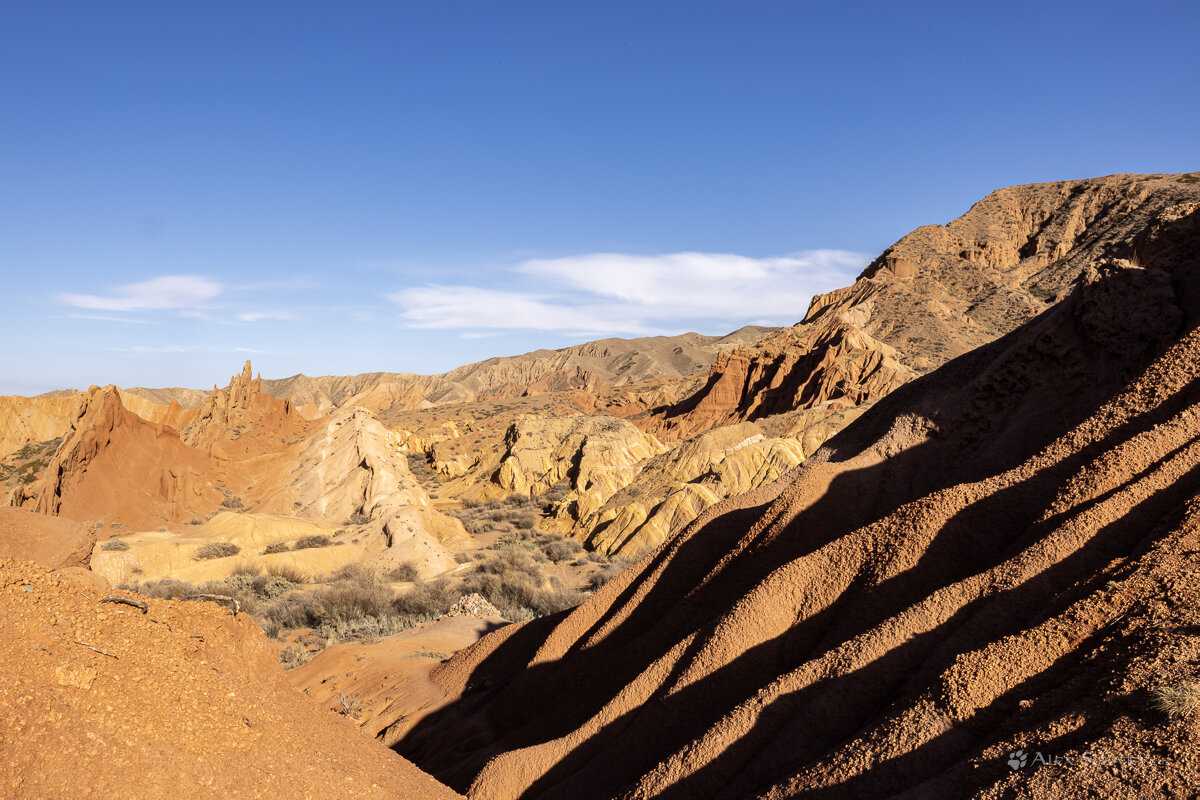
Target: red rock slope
[101, 700]
[937, 293]
[1003, 555]
[115, 465]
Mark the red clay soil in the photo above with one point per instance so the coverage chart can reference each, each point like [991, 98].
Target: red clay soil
[102, 700]
[1000, 556]
[51, 542]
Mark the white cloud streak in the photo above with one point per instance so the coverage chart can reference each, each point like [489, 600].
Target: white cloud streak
[608, 293]
[104, 318]
[257, 316]
[153, 350]
[163, 293]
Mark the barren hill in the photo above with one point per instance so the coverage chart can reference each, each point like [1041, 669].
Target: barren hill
[935, 294]
[593, 367]
[996, 560]
[101, 699]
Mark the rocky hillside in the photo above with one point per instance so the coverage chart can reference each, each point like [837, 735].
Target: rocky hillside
[595, 368]
[996, 562]
[937, 293]
[243, 450]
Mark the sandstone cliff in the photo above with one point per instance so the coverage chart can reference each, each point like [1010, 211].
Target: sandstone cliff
[672, 489]
[593, 368]
[241, 419]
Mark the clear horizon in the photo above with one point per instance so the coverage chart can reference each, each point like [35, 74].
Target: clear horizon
[404, 187]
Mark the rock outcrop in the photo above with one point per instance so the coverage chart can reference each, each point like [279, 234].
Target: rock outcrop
[113, 465]
[937, 293]
[999, 556]
[672, 489]
[594, 456]
[48, 542]
[352, 467]
[241, 420]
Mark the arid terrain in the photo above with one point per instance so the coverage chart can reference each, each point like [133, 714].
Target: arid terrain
[937, 539]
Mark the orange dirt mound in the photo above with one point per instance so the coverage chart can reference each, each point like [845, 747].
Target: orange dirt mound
[102, 700]
[53, 543]
[1000, 556]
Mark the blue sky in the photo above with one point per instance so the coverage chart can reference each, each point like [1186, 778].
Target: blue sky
[408, 186]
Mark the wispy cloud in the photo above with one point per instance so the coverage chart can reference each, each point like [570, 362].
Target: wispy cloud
[152, 349]
[257, 316]
[606, 293]
[162, 293]
[103, 318]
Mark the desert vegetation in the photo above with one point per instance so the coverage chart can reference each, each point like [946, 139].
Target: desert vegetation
[25, 464]
[216, 550]
[1178, 700]
[514, 513]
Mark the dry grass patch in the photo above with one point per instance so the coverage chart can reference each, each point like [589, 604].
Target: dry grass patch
[216, 550]
[1178, 700]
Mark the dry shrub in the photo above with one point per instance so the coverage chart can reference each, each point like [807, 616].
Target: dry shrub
[309, 542]
[608, 572]
[513, 560]
[560, 549]
[217, 550]
[515, 581]
[1178, 700]
[287, 572]
[349, 705]
[427, 600]
[276, 547]
[115, 544]
[355, 599]
[297, 610]
[165, 589]
[270, 626]
[245, 568]
[355, 572]
[405, 571]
